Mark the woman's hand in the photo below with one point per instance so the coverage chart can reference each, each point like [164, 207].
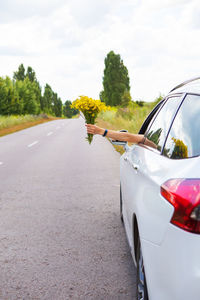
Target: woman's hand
[93, 129]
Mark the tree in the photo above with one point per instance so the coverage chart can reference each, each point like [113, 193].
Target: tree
[31, 105]
[59, 108]
[57, 105]
[38, 93]
[115, 80]
[4, 105]
[20, 74]
[68, 112]
[47, 100]
[15, 103]
[30, 73]
[9, 98]
[20, 88]
[102, 96]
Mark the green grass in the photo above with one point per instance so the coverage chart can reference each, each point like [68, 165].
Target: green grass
[9, 121]
[129, 118]
[10, 124]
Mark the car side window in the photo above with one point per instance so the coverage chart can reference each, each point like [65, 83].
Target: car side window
[184, 138]
[157, 131]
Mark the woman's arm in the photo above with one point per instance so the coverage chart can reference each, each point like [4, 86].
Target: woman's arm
[121, 136]
[115, 135]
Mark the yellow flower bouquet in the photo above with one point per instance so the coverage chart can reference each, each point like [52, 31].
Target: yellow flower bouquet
[90, 109]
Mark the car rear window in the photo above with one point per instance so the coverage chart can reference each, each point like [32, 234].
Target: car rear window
[184, 137]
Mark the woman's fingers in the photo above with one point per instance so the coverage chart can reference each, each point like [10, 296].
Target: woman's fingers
[90, 128]
[93, 129]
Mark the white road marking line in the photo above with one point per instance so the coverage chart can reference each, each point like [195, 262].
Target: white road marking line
[50, 133]
[1, 163]
[34, 143]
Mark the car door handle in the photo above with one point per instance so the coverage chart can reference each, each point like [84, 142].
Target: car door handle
[135, 166]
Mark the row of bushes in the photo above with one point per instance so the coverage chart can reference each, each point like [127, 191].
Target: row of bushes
[25, 97]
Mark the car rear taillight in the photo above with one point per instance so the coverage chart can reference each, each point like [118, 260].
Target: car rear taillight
[184, 195]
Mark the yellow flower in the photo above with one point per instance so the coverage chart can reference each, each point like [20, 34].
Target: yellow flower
[90, 108]
[89, 105]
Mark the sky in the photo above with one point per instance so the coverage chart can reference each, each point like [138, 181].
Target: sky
[66, 42]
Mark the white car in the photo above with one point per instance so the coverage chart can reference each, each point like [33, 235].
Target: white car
[160, 198]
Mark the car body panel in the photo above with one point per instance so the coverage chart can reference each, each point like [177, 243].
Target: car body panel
[173, 268]
[144, 202]
[152, 211]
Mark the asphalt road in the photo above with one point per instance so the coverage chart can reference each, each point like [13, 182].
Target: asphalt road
[60, 232]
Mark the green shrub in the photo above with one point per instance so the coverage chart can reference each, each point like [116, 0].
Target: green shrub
[130, 118]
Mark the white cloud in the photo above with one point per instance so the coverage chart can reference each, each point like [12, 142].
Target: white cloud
[11, 10]
[66, 42]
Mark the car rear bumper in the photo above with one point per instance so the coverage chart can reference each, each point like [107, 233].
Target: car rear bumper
[173, 268]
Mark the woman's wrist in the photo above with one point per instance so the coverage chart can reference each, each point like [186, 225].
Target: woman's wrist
[101, 131]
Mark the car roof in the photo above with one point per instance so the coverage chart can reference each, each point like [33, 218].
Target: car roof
[189, 86]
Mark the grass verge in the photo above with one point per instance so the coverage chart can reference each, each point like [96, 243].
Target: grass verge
[12, 124]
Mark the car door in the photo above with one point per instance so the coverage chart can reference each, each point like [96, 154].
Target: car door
[142, 168]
